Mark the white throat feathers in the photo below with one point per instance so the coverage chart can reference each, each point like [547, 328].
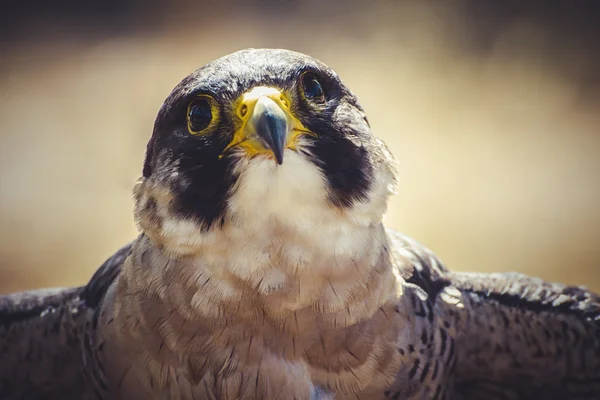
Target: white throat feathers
[280, 235]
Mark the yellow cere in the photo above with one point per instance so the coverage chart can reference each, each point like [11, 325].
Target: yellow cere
[244, 111]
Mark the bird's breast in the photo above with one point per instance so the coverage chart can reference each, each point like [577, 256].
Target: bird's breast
[199, 320]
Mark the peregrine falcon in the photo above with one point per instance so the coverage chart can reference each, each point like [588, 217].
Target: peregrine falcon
[263, 271]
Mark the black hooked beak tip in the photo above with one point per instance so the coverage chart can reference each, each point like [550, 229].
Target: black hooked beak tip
[271, 126]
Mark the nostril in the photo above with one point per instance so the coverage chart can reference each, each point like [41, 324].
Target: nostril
[243, 110]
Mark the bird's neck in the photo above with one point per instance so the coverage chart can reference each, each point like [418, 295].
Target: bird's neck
[342, 275]
[295, 288]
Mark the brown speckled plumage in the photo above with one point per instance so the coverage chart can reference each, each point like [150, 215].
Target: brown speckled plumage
[253, 279]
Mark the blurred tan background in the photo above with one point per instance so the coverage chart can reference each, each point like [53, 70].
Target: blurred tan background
[492, 109]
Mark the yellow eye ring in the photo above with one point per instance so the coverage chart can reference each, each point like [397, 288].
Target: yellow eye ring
[311, 89]
[202, 113]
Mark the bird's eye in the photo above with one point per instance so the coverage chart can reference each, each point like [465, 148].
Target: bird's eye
[312, 89]
[200, 114]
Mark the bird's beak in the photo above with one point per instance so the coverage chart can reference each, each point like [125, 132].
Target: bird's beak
[267, 124]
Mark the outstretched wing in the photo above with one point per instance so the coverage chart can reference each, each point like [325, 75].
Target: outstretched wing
[38, 351]
[516, 337]
[40, 337]
[523, 338]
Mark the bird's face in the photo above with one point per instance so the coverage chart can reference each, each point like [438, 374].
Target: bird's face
[260, 138]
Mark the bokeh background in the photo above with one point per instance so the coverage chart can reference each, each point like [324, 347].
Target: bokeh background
[491, 107]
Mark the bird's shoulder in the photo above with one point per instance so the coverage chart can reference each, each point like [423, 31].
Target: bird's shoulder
[93, 293]
[417, 264]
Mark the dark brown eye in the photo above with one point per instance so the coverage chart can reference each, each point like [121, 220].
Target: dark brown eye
[200, 115]
[312, 89]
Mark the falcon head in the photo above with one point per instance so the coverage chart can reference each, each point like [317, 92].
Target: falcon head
[257, 145]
